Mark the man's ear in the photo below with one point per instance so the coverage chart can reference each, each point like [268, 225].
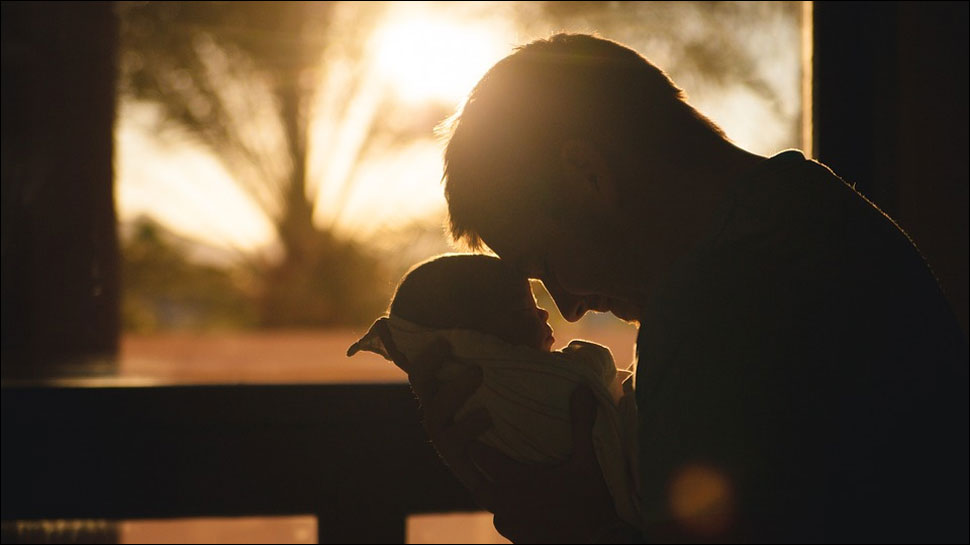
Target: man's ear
[585, 166]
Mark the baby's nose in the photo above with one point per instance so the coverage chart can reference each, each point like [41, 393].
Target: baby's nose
[543, 314]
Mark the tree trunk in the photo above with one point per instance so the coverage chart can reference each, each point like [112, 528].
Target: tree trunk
[296, 228]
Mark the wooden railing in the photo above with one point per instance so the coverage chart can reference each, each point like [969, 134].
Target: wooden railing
[353, 455]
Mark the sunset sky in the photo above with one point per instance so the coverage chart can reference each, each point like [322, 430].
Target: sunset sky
[420, 53]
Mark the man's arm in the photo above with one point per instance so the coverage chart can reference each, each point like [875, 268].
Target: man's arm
[531, 504]
[562, 504]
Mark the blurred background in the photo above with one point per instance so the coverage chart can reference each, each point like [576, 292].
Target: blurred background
[277, 170]
[226, 193]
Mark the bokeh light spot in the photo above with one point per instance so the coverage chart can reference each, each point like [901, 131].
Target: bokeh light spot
[701, 500]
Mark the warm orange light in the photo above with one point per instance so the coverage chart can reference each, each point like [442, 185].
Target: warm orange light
[427, 57]
[701, 500]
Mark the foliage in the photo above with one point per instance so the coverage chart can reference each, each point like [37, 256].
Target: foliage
[283, 95]
[163, 289]
[309, 293]
[244, 80]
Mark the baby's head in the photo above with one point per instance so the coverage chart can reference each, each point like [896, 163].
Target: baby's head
[477, 292]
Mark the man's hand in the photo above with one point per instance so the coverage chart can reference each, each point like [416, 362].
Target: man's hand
[451, 439]
[539, 504]
[531, 504]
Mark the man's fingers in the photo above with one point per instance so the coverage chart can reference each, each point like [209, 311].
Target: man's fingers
[425, 369]
[582, 409]
[497, 466]
[453, 442]
[440, 409]
[462, 433]
[434, 355]
[453, 446]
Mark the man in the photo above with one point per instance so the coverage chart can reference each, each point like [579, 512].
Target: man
[800, 376]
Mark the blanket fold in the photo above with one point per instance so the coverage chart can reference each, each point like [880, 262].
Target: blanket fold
[526, 392]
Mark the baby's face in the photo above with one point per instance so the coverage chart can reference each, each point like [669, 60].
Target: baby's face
[520, 321]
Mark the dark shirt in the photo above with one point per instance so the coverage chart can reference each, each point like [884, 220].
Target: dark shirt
[801, 376]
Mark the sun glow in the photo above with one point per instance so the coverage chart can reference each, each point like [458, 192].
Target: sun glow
[404, 65]
[434, 58]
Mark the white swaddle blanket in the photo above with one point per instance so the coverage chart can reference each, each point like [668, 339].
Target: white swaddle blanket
[527, 394]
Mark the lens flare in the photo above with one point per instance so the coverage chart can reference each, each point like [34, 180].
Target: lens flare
[701, 500]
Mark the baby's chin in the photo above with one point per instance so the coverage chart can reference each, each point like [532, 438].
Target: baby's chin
[547, 344]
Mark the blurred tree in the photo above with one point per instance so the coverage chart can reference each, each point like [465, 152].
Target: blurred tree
[164, 289]
[247, 80]
[700, 44]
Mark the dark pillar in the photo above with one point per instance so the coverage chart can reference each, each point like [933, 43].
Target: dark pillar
[59, 241]
[891, 116]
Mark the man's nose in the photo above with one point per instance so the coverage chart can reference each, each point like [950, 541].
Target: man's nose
[572, 307]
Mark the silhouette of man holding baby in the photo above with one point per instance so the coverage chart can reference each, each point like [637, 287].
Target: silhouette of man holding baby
[800, 376]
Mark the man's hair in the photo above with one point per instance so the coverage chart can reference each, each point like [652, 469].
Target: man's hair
[456, 290]
[505, 140]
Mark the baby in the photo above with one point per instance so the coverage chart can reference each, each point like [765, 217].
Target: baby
[487, 312]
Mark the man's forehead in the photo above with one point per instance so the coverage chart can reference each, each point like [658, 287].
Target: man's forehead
[521, 249]
[522, 259]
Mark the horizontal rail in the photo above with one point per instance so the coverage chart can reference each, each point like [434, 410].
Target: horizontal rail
[354, 455]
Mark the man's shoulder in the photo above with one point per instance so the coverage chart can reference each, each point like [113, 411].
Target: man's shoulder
[802, 265]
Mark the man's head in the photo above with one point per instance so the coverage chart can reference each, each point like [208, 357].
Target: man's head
[472, 291]
[546, 153]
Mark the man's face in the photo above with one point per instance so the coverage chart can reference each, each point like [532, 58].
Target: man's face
[575, 238]
[580, 262]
